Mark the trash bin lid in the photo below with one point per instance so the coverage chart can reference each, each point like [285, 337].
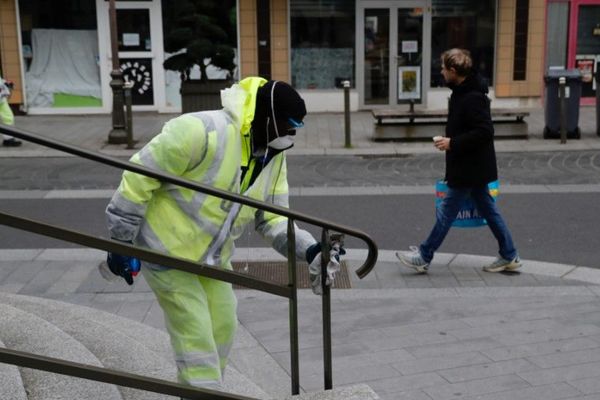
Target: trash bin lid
[570, 74]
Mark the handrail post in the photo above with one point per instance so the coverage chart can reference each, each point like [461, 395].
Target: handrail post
[293, 309]
[326, 307]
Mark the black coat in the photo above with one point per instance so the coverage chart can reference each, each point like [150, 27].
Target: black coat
[471, 160]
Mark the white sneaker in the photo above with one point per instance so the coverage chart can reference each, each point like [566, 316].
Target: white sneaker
[413, 259]
[501, 264]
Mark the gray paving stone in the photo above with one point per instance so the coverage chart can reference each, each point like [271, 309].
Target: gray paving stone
[71, 279]
[476, 387]
[406, 383]
[7, 268]
[561, 374]
[505, 329]
[93, 283]
[42, 281]
[566, 358]
[21, 275]
[588, 397]
[312, 379]
[493, 369]
[408, 395]
[587, 386]
[71, 254]
[454, 347]
[545, 268]
[547, 392]
[135, 310]
[584, 274]
[567, 332]
[19, 254]
[439, 363]
[534, 349]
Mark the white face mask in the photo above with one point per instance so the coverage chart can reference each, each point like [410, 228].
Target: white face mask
[282, 143]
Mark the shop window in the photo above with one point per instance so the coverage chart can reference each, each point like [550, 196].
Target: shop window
[556, 39]
[60, 51]
[467, 24]
[587, 57]
[322, 43]
[520, 45]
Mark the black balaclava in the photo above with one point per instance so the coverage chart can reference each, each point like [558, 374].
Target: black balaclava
[286, 102]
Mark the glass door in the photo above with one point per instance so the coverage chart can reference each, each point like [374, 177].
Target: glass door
[584, 52]
[392, 48]
[409, 55]
[139, 33]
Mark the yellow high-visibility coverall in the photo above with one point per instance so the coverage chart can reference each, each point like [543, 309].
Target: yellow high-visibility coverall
[210, 147]
[6, 115]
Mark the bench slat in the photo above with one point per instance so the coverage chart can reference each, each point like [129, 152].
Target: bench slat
[381, 114]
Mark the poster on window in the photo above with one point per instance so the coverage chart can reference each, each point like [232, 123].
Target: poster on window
[409, 83]
[139, 71]
[586, 67]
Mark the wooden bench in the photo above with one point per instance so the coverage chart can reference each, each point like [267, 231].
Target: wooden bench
[393, 115]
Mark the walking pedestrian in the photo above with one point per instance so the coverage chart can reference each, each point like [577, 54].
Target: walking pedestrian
[239, 148]
[470, 165]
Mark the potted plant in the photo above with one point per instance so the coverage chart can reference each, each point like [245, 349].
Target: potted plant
[200, 33]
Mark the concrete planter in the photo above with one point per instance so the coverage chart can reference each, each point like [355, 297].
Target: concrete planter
[199, 96]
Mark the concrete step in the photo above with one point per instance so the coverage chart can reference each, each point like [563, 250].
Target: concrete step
[24, 331]
[354, 392]
[11, 383]
[120, 343]
[95, 337]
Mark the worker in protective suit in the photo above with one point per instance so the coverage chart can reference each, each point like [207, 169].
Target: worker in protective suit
[239, 149]
[6, 115]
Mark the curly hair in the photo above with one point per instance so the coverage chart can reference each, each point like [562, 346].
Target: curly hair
[459, 59]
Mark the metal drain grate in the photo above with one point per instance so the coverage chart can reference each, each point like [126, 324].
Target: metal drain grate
[277, 271]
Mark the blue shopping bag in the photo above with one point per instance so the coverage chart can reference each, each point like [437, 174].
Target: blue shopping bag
[468, 216]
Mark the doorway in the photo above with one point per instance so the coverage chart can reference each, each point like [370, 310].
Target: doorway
[392, 48]
[140, 47]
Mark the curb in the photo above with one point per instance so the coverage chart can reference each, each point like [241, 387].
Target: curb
[563, 271]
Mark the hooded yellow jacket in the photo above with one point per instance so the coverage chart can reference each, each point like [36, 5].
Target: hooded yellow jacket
[209, 147]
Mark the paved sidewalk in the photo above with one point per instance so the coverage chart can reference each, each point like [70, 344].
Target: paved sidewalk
[456, 333]
[323, 134]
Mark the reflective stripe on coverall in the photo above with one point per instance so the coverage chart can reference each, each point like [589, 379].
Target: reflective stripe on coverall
[208, 147]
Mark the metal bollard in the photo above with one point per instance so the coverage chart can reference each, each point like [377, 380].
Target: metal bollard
[562, 81]
[348, 141]
[128, 117]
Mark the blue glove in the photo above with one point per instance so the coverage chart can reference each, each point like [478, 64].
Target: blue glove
[117, 265]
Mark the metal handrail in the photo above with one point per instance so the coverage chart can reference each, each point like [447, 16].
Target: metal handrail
[289, 290]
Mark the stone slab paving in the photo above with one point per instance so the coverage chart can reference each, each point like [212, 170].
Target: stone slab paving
[454, 333]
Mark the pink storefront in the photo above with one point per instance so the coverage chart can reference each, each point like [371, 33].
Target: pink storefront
[573, 40]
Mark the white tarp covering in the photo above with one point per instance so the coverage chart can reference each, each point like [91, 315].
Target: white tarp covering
[64, 61]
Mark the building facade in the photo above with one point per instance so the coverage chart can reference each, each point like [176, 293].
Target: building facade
[389, 50]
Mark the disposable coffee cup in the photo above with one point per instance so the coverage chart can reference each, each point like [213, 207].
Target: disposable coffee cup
[436, 138]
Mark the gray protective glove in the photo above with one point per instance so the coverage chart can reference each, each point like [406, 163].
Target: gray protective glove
[313, 257]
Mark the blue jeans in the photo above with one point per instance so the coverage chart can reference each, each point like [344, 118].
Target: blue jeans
[446, 214]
